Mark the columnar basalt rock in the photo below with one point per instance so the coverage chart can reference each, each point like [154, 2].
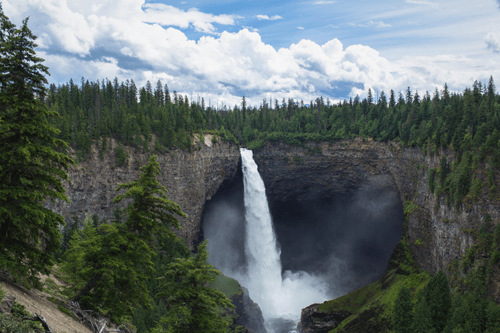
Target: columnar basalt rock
[191, 178]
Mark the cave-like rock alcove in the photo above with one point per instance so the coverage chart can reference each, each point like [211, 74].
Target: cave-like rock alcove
[346, 239]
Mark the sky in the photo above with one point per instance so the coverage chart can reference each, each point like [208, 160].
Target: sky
[302, 49]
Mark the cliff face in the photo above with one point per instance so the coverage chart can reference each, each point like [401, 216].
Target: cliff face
[190, 178]
[323, 169]
[295, 173]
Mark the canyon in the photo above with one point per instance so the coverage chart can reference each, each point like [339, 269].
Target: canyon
[295, 176]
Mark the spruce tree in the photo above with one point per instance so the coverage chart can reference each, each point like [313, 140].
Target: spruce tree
[437, 295]
[194, 304]
[422, 322]
[121, 255]
[403, 312]
[492, 318]
[31, 165]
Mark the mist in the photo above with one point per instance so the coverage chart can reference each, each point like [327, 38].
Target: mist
[328, 246]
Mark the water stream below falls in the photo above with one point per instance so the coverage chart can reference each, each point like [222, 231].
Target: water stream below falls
[281, 297]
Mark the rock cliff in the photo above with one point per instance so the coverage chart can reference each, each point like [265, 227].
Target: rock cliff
[323, 169]
[191, 179]
[296, 173]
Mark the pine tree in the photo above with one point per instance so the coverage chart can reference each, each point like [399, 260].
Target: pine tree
[73, 267]
[31, 167]
[422, 322]
[121, 258]
[492, 318]
[403, 312]
[437, 294]
[194, 304]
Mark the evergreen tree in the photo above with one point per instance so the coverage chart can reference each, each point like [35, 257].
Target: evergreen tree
[422, 322]
[73, 267]
[437, 295]
[121, 257]
[403, 312]
[31, 168]
[492, 318]
[195, 305]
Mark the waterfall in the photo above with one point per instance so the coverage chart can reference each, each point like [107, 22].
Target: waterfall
[263, 256]
[278, 296]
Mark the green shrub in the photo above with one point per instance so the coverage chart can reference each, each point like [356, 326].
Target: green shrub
[13, 323]
[468, 259]
[431, 179]
[121, 155]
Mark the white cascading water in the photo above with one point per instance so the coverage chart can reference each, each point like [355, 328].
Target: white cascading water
[277, 296]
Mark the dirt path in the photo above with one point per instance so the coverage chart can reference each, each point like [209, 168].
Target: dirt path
[36, 301]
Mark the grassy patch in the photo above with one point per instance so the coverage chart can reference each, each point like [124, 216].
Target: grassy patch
[66, 311]
[372, 306]
[228, 286]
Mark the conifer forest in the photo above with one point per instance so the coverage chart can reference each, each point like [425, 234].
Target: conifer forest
[133, 268]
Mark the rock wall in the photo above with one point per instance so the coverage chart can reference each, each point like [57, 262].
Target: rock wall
[190, 178]
[318, 169]
[324, 169]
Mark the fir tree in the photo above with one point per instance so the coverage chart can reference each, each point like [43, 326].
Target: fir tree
[437, 294]
[194, 304]
[31, 168]
[492, 318]
[422, 322]
[403, 312]
[121, 257]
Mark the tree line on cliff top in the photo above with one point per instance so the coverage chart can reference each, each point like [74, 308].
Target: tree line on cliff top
[468, 123]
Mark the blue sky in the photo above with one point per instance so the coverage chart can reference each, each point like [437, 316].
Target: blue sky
[269, 49]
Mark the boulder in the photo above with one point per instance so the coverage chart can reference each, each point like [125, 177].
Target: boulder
[7, 303]
[314, 321]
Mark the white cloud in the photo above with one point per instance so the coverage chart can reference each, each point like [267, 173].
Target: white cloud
[492, 39]
[265, 17]
[324, 2]
[370, 24]
[167, 15]
[379, 24]
[301, 28]
[422, 2]
[223, 67]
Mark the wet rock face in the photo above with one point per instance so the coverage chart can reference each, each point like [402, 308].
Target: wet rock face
[314, 321]
[293, 174]
[249, 313]
[323, 170]
[190, 179]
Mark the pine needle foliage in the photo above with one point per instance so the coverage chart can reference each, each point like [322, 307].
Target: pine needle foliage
[151, 212]
[121, 253]
[195, 306]
[32, 166]
[403, 312]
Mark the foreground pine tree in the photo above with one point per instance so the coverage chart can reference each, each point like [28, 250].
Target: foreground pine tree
[194, 305]
[31, 167]
[120, 254]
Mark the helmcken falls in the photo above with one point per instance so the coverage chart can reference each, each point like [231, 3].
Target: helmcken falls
[280, 296]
